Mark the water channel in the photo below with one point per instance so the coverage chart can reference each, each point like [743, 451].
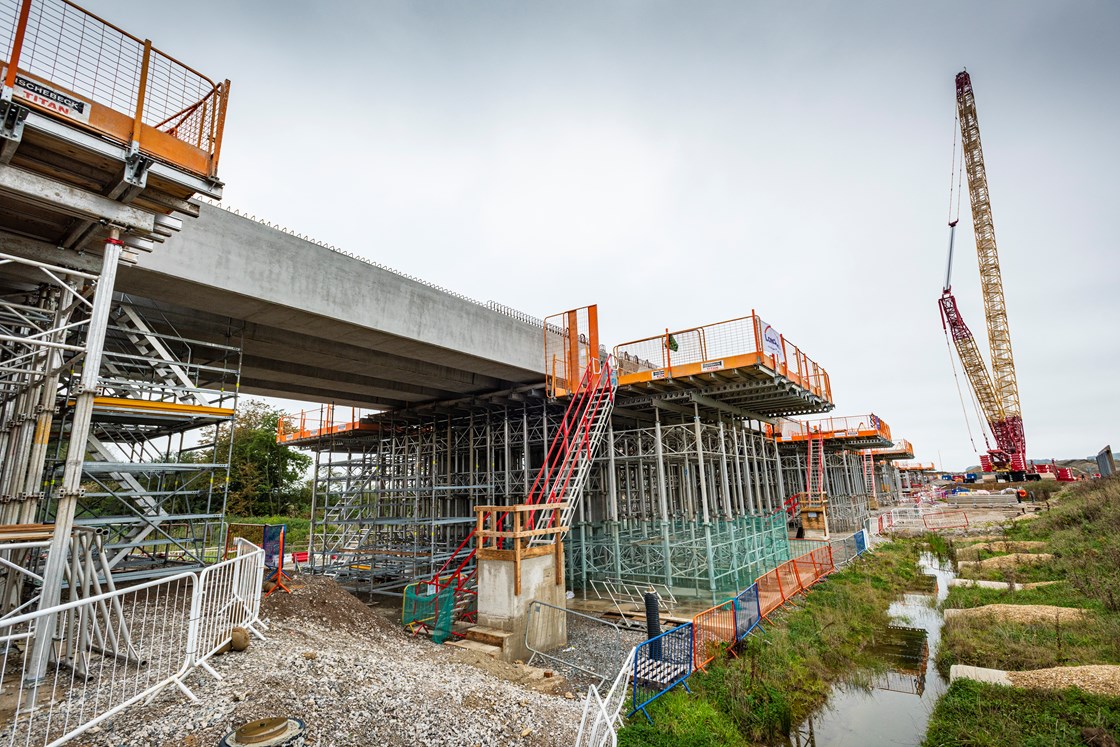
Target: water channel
[890, 707]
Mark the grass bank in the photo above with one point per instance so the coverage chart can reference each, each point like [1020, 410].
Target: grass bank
[981, 715]
[1082, 531]
[782, 674]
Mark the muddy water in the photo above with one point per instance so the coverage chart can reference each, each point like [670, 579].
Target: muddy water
[890, 707]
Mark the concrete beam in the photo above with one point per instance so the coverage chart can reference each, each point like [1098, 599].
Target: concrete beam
[30, 187]
[41, 251]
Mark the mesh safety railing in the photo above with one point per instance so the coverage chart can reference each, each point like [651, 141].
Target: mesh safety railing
[722, 341]
[70, 48]
[788, 429]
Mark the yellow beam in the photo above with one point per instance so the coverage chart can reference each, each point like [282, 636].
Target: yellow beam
[143, 405]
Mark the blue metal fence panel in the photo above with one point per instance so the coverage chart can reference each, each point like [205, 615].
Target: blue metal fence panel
[861, 541]
[748, 611]
[660, 664]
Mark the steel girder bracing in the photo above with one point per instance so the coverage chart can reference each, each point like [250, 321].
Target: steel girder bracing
[156, 467]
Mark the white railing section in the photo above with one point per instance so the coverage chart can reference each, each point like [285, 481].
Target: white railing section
[110, 651]
[118, 648]
[228, 596]
[602, 715]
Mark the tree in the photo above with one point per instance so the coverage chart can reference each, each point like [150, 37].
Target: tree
[265, 477]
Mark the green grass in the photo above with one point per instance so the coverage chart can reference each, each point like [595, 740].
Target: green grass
[1019, 646]
[1082, 531]
[939, 545]
[974, 714]
[683, 722]
[784, 673]
[1060, 594]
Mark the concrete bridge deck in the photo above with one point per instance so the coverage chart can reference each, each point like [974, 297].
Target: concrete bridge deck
[321, 325]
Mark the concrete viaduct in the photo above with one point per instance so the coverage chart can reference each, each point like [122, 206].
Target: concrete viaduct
[320, 325]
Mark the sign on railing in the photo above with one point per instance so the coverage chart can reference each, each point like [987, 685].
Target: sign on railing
[70, 64]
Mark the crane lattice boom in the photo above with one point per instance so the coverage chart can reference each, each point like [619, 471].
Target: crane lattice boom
[997, 393]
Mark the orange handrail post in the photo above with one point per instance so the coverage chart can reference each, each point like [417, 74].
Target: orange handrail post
[17, 45]
[138, 121]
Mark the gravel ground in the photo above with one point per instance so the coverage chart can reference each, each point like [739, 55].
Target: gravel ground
[356, 679]
[1103, 679]
[593, 646]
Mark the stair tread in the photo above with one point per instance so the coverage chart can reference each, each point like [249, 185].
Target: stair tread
[495, 632]
[482, 648]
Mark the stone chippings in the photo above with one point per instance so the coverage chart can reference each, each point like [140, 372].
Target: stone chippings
[355, 679]
[593, 646]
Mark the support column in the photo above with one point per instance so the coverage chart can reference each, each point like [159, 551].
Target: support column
[75, 456]
[663, 500]
[704, 501]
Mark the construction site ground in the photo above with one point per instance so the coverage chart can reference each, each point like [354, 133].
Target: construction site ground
[356, 678]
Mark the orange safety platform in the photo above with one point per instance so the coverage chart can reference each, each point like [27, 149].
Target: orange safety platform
[736, 348]
[865, 431]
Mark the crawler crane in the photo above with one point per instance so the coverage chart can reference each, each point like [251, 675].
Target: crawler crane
[996, 392]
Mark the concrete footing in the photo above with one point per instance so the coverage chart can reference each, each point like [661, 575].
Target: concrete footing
[501, 608]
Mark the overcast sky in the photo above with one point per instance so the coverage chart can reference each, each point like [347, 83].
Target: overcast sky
[682, 163]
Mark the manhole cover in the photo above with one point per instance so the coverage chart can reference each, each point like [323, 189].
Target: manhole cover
[266, 732]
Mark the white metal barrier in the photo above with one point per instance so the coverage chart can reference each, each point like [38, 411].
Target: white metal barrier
[109, 651]
[602, 715]
[228, 596]
[118, 648]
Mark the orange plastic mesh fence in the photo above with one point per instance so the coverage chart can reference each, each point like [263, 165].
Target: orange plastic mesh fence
[946, 520]
[770, 593]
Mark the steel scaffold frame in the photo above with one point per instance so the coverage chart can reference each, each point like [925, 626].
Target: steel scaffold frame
[391, 505]
[393, 500]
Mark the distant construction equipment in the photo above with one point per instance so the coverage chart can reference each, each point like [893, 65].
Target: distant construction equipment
[996, 392]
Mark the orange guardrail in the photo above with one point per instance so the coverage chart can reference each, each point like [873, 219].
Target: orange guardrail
[68, 63]
[711, 629]
[900, 446]
[324, 421]
[734, 343]
[918, 467]
[861, 426]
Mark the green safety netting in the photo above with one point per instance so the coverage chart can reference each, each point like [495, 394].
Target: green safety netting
[429, 606]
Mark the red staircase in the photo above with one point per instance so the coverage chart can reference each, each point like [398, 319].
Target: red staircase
[560, 479]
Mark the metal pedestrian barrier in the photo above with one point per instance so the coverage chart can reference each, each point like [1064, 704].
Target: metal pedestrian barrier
[115, 649]
[712, 629]
[748, 611]
[656, 666]
[660, 664]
